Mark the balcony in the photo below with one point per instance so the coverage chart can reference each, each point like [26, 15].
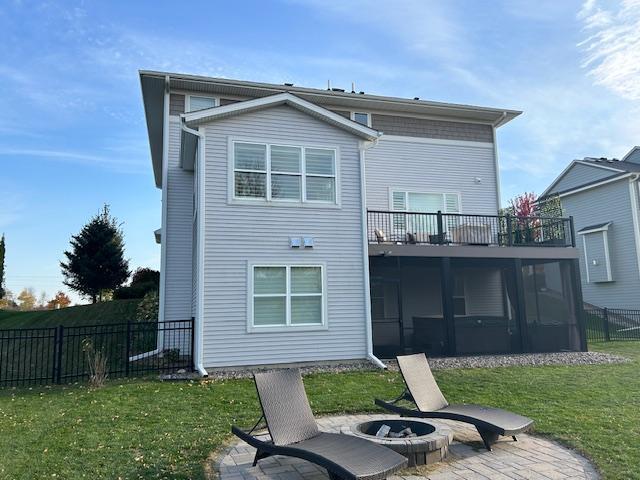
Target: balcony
[412, 228]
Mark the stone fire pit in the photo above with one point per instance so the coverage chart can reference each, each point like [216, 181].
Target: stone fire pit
[426, 444]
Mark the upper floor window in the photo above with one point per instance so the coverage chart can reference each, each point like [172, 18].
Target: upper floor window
[195, 103]
[284, 172]
[362, 118]
[425, 202]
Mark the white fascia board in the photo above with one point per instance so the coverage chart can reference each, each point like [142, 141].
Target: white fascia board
[604, 228]
[629, 153]
[594, 185]
[596, 165]
[568, 167]
[210, 114]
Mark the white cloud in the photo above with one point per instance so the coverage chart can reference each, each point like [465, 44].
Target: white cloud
[612, 50]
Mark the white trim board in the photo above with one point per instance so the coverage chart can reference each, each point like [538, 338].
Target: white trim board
[634, 196]
[593, 185]
[212, 114]
[569, 167]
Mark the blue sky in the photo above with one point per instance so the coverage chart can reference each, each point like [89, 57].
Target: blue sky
[72, 134]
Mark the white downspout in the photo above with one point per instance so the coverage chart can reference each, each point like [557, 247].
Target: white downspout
[494, 126]
[198, 326]
[635, 214]
[365, 254]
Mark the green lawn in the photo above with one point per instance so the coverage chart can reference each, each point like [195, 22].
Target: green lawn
[147, 429]
[117, 311]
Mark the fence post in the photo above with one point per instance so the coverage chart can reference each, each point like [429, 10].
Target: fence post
[57, 361]
[440, 228]
[509, 231]
[193, 342]
[128, 349]
[607, 335]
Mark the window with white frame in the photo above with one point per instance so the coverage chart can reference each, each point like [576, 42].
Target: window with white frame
[284, 172]
[361, 118]
[287, 295]
[422, 202]
[195, 102]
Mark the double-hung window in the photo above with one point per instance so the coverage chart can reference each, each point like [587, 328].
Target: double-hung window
[287, 296]
[290, 173]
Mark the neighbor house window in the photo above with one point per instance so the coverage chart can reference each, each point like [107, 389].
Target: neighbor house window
[362, 118]
[195, 103]
[287, 295]
[284, 172]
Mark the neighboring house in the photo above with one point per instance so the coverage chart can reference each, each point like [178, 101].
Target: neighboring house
[305, 225]
[602, 196]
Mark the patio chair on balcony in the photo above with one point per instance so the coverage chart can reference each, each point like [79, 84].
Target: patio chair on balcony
[294, 433]
[423, 391]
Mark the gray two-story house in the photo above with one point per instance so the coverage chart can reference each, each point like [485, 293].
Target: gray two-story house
[601, 195]
[309, 225]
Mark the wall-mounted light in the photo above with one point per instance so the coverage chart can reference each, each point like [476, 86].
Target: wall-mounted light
[477, 180]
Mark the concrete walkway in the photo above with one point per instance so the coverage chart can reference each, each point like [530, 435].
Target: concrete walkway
[530, 457]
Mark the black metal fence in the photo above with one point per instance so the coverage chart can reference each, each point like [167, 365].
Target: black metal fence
[61, 354]
[457, 229]
[607, 324]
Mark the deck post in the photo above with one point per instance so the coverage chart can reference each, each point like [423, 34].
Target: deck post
[446, 277]
[440, 228]
[519, 304]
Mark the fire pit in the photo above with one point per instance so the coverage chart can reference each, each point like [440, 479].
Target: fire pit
[421, 442]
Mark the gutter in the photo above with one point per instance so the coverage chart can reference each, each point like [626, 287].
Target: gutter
[365, 254]
[199, 317]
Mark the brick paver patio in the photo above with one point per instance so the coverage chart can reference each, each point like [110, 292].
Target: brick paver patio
[530, 457]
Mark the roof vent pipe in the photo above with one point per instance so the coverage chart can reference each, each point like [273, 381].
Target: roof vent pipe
[328, 84]
[353, 87]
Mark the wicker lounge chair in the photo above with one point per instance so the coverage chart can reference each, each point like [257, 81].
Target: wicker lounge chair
[423, 391]
[294, 433]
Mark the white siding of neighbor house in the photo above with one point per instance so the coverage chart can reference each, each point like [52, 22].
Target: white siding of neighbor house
[438, 166]
[177, 233]
[608, 203]
[578, 175]
[236, 234]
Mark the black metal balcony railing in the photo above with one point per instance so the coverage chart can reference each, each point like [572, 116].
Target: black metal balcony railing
[458, 229]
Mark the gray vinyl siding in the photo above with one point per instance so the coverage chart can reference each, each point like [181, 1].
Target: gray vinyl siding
[176, 104]
[580, 174]
[432, 167]
[421, 127]
[595, 251]
[634, 157]
[177, 233]
[608, 203]
[237, 234]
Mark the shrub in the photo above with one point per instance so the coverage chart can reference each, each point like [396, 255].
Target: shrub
[172, 355]
[148, 308]
[143, 281]
[97, 361]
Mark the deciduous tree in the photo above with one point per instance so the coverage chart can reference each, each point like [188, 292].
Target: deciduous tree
[27, 299]
[60, 300]
[95, 264]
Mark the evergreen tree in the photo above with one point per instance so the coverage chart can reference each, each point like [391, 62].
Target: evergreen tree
[96, 264]
[2, 251]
